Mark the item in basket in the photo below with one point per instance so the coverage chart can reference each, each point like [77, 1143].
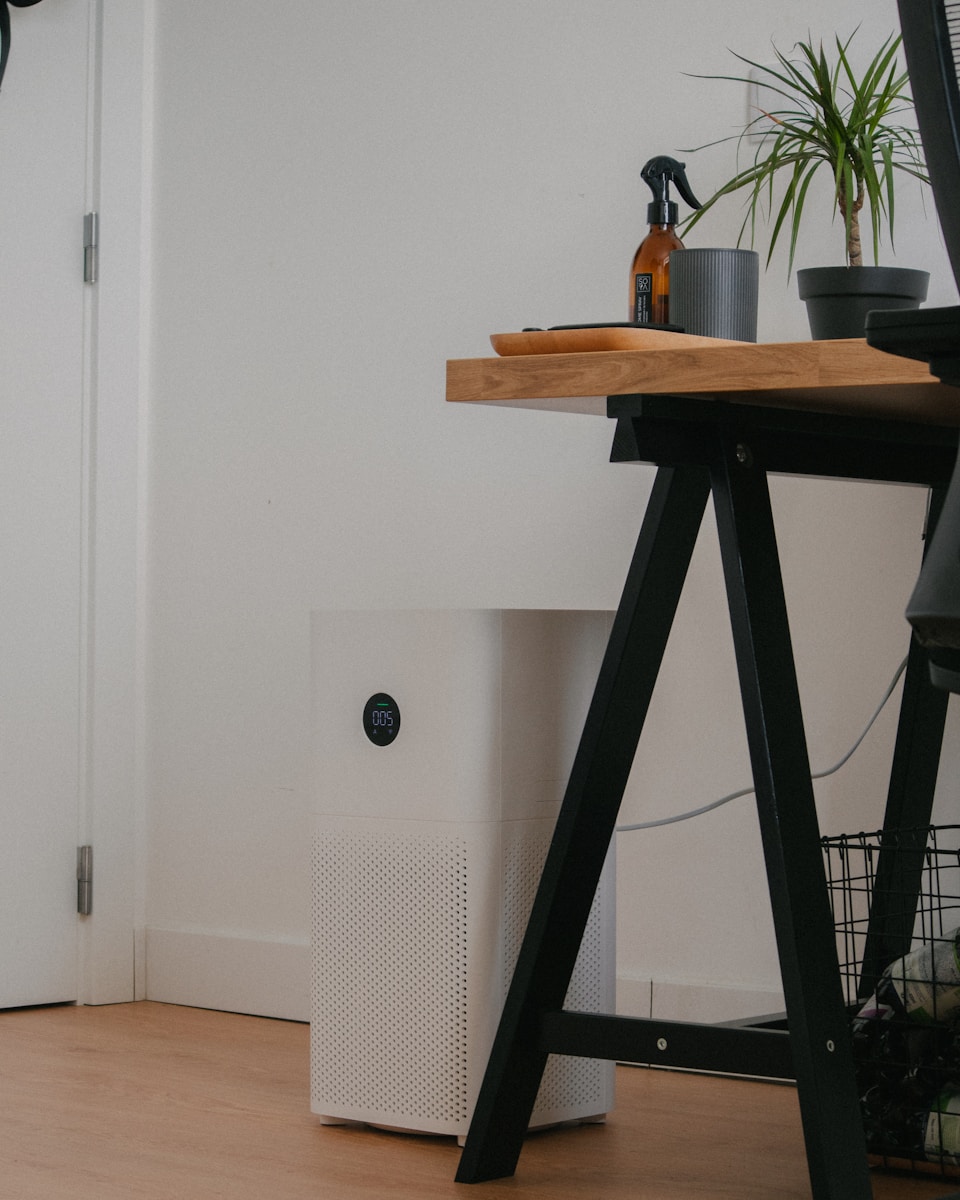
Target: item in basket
[889, 1126]
[901, 1065]
[923, 985]
[942, 1137]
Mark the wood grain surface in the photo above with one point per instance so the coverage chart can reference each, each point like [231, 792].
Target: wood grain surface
[155, 1102]
[839, 376]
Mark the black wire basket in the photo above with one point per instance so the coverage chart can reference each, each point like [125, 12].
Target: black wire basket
[896, 905]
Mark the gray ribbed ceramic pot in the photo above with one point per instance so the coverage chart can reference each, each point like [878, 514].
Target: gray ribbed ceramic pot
[714, 290]
[839, 298]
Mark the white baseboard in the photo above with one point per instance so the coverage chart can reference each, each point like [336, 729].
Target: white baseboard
[227, 972]
[272, 979]
[671, 1001]
[713, 1003]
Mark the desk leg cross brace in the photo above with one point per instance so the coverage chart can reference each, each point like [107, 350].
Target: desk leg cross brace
[819, 1031]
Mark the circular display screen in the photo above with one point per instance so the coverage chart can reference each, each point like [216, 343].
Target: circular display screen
[381, 719]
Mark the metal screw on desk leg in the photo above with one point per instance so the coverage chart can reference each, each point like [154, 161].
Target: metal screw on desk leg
[831, 1045]
[661, 1043]
[744, 455]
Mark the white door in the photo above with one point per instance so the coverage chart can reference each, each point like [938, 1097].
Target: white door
[43, 180]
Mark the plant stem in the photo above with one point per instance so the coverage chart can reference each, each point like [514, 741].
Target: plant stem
[852, 222]
[854, 249]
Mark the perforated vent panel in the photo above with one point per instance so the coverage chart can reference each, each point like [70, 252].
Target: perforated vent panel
[404, 1004]
[567, 1081]
[388, 1026]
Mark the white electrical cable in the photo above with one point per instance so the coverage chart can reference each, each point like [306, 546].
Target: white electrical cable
[698, 812]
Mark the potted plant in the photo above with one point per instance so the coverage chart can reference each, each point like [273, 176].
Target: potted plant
[824, 116]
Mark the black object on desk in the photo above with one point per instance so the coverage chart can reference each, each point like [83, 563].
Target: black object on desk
[931, 42]
[727, 449]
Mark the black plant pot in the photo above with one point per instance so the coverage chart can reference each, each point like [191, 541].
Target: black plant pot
[839, 298]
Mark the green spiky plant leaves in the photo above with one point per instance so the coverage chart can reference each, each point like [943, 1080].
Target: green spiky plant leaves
[830, 120]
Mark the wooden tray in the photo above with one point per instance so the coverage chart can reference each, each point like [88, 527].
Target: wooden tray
[578, 341]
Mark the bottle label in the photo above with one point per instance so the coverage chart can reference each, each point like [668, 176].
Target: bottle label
[927, 981]
[941, 1142]
[643, 296]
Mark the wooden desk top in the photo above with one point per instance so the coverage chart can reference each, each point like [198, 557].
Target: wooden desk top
[846, 377]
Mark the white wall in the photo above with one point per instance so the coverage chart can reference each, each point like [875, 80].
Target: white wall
[344, 196]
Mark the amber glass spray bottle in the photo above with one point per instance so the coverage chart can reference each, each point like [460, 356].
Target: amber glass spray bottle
[650, 273]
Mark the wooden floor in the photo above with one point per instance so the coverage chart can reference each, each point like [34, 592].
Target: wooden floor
[149, 1100]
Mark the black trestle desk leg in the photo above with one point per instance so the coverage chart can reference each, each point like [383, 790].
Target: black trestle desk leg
[586, 822]
[903, 842]
[816, 1015]
[913, 781]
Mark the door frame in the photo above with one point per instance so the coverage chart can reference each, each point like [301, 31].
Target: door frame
[112, 776]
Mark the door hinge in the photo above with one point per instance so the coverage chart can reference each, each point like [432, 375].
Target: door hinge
[91, 246]
[84, 880]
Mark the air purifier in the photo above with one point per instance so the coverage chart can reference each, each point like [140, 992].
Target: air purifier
[443, 741]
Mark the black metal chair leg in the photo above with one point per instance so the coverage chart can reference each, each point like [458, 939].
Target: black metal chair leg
[818, 1025]
[586, 822]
